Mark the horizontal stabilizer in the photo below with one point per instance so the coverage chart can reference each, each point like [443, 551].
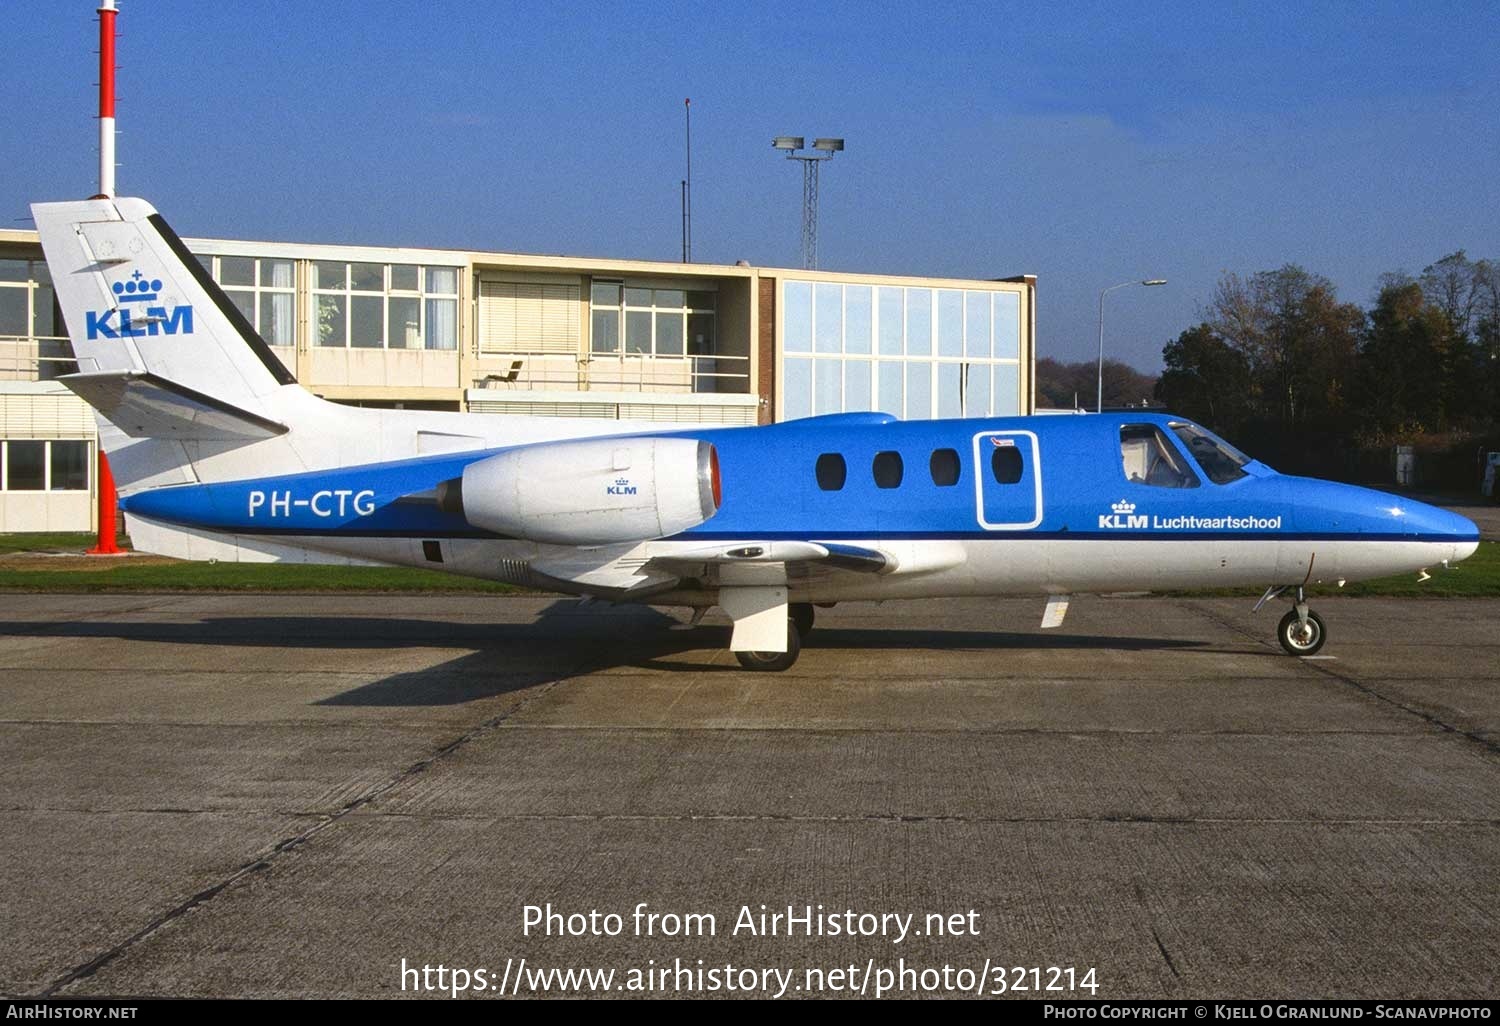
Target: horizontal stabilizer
[146, 406]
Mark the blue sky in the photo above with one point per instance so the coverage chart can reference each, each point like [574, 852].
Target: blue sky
[1086, 143]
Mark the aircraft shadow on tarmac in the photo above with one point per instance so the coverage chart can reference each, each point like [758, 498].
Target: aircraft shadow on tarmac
[566, 640]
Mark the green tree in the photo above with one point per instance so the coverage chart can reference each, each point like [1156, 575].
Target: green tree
[1300, 343]
[1066, 386]
[1207, 380]
[1486, 384]
[1403, 363]
[1458, 288]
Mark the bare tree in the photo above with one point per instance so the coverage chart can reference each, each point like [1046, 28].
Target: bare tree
[1454, 286]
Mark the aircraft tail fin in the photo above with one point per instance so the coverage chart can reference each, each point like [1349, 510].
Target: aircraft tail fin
[148, 322]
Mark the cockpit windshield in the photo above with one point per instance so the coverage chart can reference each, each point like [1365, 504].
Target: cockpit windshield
[1149, 459]
[1221, 461]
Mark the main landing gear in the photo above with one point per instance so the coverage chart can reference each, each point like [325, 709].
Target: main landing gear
[799, 622]
[775, 661]
[802, 615]
[1301, 631]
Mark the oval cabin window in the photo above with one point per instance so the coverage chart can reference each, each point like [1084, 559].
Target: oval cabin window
[1006, 464]
[831, 472]
[887, 469]
[945, 467]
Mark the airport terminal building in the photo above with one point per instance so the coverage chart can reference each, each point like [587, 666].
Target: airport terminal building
[512, 334]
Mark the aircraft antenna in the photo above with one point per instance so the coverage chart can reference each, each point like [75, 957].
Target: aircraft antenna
[687, 185]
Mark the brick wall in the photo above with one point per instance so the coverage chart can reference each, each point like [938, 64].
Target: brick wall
[766, 350]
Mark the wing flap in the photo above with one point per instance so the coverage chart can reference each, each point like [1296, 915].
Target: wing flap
[612, 571]
[843, 557]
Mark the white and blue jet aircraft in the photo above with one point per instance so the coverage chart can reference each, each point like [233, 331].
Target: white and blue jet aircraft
[219, 454]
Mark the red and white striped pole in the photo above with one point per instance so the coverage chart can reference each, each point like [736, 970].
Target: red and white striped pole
[107, 99]
[107, 544]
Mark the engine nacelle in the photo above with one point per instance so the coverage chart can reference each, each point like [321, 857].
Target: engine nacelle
[590, 492]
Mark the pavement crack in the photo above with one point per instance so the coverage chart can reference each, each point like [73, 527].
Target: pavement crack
[1165, 954]
[910, 818]
[292, 842]
[1366, 689]
[1140, 896]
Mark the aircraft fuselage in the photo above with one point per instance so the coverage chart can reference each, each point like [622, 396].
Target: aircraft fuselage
[965, 507]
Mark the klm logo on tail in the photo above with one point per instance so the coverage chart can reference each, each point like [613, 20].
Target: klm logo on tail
[132, 318]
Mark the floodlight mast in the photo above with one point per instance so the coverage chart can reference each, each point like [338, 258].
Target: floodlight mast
[824, 149]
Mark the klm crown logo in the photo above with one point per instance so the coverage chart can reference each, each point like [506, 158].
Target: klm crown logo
[138, 289]
[1123, 516]
[622, 486]
[130, 319]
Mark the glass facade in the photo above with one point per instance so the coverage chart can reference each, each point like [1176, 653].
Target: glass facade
[917, 353]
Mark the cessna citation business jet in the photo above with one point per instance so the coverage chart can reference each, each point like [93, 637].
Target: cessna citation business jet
[219, 454]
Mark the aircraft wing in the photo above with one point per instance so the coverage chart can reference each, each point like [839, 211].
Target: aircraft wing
[638, 571]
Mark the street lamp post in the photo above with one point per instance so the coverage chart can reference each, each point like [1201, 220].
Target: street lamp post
[1099, 400]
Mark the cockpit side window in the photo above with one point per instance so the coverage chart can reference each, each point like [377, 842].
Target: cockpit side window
[1221, 461]
[1149, 459]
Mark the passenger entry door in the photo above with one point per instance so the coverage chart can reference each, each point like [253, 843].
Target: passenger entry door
[1007, 480]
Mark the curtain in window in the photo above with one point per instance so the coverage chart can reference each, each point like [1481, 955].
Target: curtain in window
[442, 324]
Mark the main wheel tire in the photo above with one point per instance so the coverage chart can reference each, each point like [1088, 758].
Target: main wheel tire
[770, 662]
[1299, 639]
[802, 615]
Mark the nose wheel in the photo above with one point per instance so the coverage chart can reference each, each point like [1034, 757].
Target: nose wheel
[1301, 637]
[1301, 631]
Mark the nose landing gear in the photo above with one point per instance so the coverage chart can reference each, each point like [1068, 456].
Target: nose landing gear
[1301, 634]
[1301, 631]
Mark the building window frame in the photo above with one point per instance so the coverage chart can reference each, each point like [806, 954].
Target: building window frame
[659, 318]
[436, 304]
[264, 293]
[49, 486]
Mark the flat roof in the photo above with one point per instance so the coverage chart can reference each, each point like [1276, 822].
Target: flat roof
[482, 259]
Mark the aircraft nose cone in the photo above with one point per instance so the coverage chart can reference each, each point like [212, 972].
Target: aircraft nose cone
[1441, 524]
[1433, 523]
